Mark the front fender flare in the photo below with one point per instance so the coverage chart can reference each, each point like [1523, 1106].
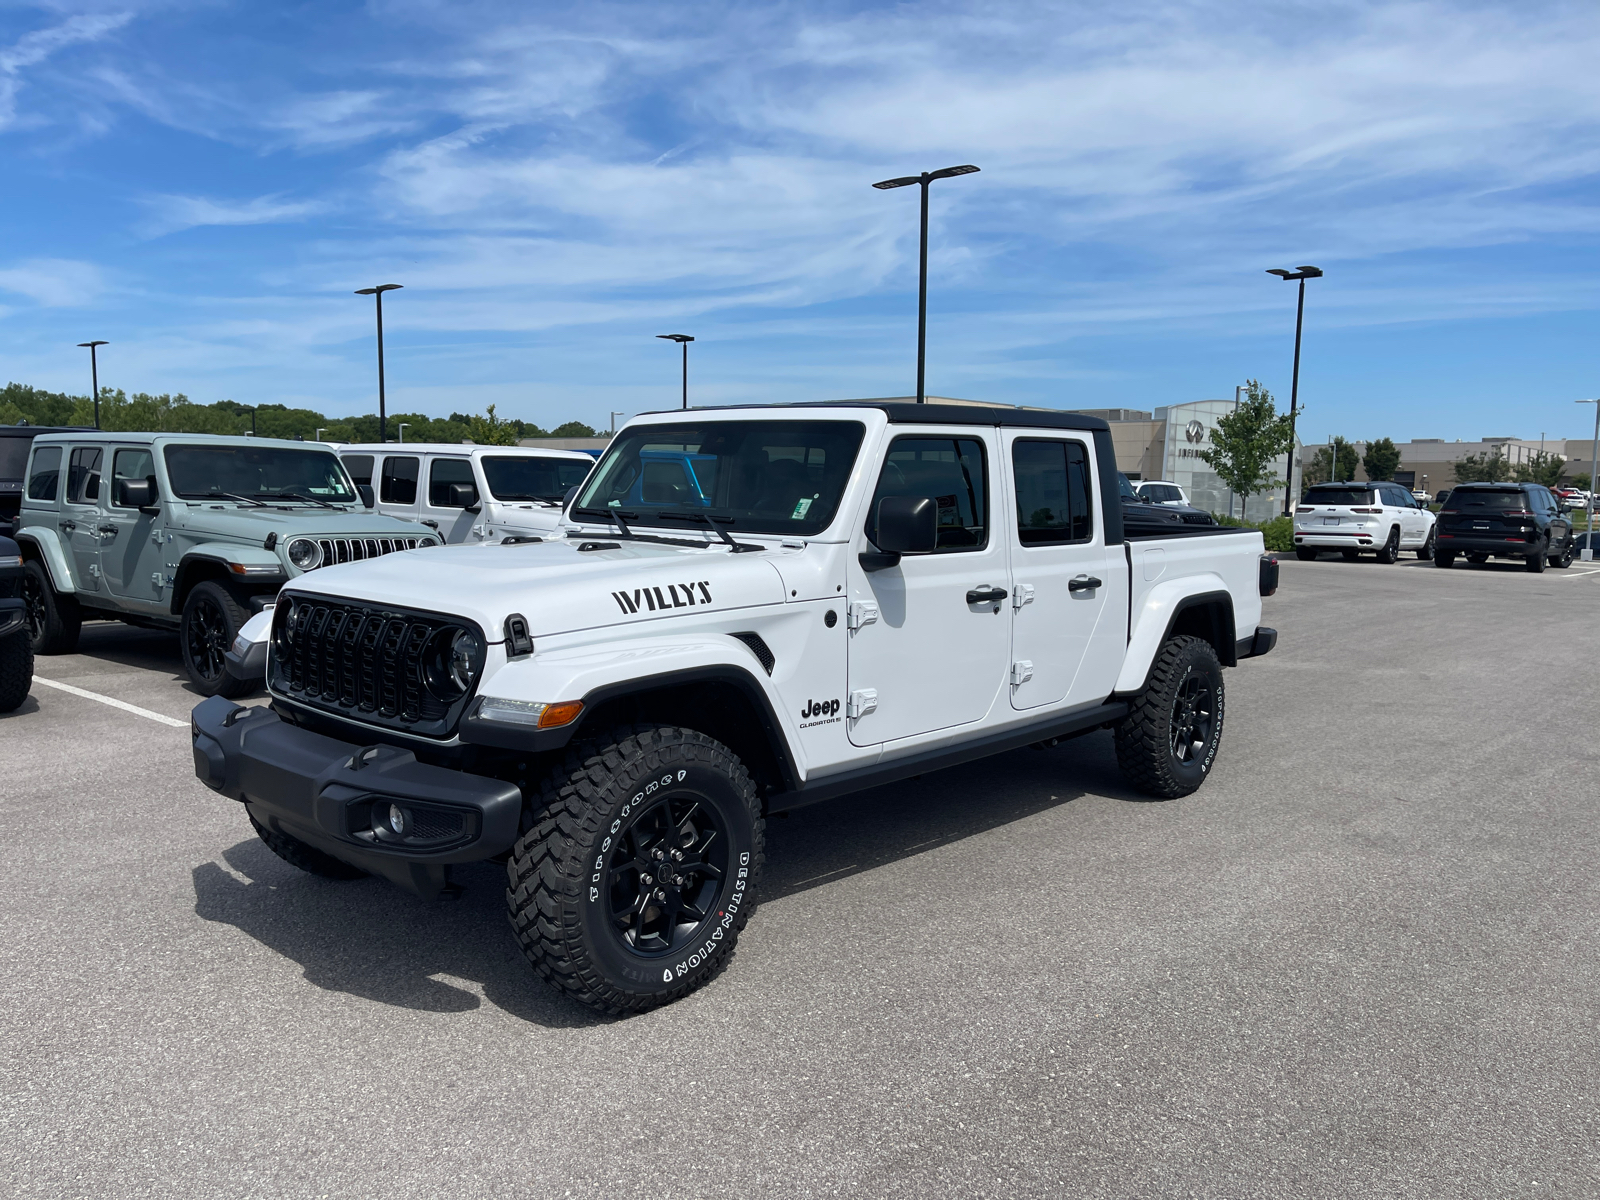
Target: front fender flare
[223, 554]
[597, 677]
[1159, 612]
[47, 543]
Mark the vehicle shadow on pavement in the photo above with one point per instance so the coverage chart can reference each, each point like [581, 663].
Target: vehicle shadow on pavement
[369, 938]
[30, 704]
[840, 838]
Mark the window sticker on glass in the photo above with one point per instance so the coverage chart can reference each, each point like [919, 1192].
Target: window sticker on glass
[801, 508]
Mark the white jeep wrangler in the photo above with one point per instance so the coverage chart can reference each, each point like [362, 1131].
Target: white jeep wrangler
[751, 609]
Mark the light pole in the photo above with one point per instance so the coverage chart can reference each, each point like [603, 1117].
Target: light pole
[94, 376]
[252, 422]
[683, 339]
[404, 425]
[1594, 469]
[321, 429]
[926, 178]
[377, 294]
[614, 417]
[1302, 274]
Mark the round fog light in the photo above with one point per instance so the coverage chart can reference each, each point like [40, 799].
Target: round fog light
[399, 819]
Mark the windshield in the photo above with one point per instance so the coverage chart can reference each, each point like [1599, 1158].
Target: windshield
[1125, 489]
[1160, 493]
[257, 473]
[1499, 501]
[14, 456]
[527, 477]
[755, 476]
[1338, 495]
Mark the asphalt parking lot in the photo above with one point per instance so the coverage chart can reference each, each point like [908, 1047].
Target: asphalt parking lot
[1360, 962]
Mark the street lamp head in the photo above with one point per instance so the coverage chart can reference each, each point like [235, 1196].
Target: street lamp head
[680, 338]
[925, 177]
[903, 181]
[1297, 273]
[952, 172]
[91, 345]
[380, 289]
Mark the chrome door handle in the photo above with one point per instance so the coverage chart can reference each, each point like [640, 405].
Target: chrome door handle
[986, 595]
[1082, 583]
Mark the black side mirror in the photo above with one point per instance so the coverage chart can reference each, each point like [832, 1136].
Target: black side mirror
[136, 493]
[464, 495]
[368, 500]
[906, 525]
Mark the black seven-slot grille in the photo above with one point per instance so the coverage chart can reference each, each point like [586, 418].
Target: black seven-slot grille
[362, 662]
[343, 550]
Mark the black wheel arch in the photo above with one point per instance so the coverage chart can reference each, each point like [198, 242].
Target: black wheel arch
[203, 568]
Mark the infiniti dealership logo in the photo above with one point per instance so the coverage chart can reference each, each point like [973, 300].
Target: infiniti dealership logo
[1195, 431]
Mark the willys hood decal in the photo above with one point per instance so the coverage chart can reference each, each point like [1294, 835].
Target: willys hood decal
[556, 586]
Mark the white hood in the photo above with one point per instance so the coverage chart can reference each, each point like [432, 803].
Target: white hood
[556, 586]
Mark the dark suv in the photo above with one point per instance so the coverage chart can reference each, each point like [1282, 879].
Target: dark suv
[1504, 520]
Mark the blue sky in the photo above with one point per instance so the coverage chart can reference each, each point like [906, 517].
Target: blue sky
[205, 184]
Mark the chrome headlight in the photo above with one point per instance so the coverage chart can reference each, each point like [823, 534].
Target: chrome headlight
[453, 662]
[304, 553]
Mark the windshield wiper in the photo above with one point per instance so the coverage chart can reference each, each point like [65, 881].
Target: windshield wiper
[231, 496]
[711, 523]
[610, 514]
[295, 496]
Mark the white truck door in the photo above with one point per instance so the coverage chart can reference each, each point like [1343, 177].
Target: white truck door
[397, 486]
[1061, 578]
[450, 518]
[928, 637]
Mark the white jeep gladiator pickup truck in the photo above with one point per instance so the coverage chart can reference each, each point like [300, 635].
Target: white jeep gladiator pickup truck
[748, 610]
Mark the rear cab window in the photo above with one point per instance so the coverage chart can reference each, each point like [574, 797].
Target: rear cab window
[83, 475]
[400, 474]
[1339, 497]
[1054, 497]
[44, 480]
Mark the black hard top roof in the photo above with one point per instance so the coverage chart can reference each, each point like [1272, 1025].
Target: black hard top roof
[35, 430]
[902, 412]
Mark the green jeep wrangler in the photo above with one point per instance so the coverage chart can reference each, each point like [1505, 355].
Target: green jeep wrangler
[186, 532]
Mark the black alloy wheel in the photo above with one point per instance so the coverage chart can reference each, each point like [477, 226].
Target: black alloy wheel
[1390, 551]
[1194, 719]
[666, 876]
[1564, 559]
[54, 621]
[211, 620]
[38, 615]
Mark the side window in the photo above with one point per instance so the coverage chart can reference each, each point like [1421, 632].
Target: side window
[360, 468]
[1053, 496]
[46, 474]
[442, 472]
[400, 480]
[131, 464]
[83, 476]
[951, 471]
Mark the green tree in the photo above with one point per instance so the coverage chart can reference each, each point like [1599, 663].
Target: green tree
[1580, 481]
[1319, 471]
[1246, 442]
[1539, 468]
[1381, 459]
[571, 429]
[1489, 467]
[491, 430]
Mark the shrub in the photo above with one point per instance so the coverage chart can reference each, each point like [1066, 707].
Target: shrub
[1278, 533]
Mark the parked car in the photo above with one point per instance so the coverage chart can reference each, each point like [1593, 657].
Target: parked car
[1441, 496]
[469, 494]
[16, 651]
[871, 591]
[1139, 514]
[15, 442]
[1160, 491]
[1420, 496]
[1352, 518]
[1505, 520]
[185, 532]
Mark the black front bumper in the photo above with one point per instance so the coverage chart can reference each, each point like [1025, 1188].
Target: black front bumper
[337, 796]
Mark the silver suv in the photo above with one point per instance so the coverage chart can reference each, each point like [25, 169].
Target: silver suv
[185, 532]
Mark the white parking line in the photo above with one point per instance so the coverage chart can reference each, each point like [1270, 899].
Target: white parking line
[122, 704]
[1578, 574]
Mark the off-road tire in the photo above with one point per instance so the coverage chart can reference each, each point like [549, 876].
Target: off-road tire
[1425, 551]
[559, 876]
[1144, 737]
[16, 670]
[1564, 559]
[1305, 555]
[1389, 552]
[54, 620]
[1443, 558]
[308, 858]
[211, 614]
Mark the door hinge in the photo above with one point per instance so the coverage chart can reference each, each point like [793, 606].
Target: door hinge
[160, 537]
[1021, 594]
[94, 570]
[862, 612]
[160, 581]
[1021, 672]
[861, 703]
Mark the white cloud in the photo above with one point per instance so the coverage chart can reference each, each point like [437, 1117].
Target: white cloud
[170, 214]
[35, 47]
[54, 282]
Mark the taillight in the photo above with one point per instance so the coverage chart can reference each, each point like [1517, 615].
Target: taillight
[1518, 512]
[1367, 510]
[1448, 512]
[1304, 508]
